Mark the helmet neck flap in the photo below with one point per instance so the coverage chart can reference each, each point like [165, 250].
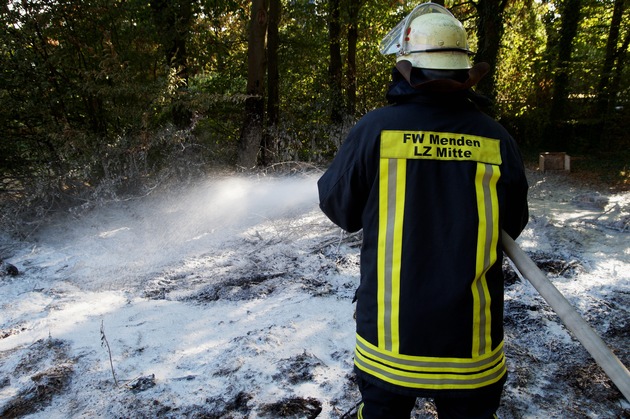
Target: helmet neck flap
[443, 80]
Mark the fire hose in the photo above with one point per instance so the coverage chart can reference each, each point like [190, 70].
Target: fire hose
[591, 341]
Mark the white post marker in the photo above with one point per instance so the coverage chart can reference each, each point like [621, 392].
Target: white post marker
[604, 357]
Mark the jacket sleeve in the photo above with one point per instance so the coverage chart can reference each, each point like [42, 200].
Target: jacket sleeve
[344, 187]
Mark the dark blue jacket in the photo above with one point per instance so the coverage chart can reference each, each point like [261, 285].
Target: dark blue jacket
[431, 180]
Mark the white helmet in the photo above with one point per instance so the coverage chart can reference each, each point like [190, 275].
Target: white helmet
[429, 37]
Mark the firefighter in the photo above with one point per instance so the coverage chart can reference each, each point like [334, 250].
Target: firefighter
[431, 180]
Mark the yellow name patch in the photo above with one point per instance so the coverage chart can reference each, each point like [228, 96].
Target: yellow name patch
[432, 145]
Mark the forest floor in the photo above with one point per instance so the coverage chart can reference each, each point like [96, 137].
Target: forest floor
[232, 298]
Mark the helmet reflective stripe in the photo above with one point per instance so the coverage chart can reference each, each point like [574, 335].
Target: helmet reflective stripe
[429, 37]
[433, 49]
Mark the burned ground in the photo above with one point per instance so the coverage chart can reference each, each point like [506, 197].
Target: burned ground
[257, 322]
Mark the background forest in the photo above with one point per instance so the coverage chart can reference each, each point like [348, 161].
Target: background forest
[99, 98]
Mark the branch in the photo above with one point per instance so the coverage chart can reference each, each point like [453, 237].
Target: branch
[105, 343]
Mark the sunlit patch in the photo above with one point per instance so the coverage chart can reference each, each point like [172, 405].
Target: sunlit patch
[112, 233]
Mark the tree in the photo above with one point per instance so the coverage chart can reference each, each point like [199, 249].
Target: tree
[605, 94]
[373, 74]
[252, 131]
[173, 19]
[78, 83]
[273, 80]
[90, 90]
[335, 67]
[615, 85]
[570, 12]
[489, 35]
[354, 7]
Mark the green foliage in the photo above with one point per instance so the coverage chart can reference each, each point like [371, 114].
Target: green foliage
[521, 61]
[375, 69]
[88, 98]
[89, 95]
[75, 81]
[528, 64]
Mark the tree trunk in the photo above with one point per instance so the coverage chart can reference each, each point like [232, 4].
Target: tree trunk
[549, 56]
[489, 34]
[351, 61]
[335, 66]
[273, 79]
[604, 92]
[611, 119]
[252, 132]
[615, 85]
[570, 12]
[173, 19]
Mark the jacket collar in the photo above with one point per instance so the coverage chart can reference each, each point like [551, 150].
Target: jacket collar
[423, 89]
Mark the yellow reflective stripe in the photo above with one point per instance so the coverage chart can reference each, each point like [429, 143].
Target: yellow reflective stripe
[432, 145]
[429, 364]
[487, 236]
[430, 380]
[360, 411]
[392, 184]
